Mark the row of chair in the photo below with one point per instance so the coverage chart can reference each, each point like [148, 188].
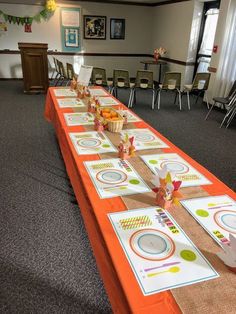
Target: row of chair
[144, 80]
[61, 74]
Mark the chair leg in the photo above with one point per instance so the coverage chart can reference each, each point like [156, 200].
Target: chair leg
[57, 80]
[225, 117]
[209, 111]
[130, 98]
[180, 102]
[231, 118]
[153, 99]
[159, 100]
[175, 97]
[188, 100]
[206, 99]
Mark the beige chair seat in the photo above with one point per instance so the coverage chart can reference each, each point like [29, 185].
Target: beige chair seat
[188, 87]
[131, 85]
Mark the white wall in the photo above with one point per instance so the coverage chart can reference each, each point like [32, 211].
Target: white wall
[137, 40]
[172, 27]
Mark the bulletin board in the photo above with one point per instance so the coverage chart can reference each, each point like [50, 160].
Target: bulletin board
[71, 29]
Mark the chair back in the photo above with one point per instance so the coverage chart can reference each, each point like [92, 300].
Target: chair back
[144, 79]
[201, 81]
[172, 80]
[99, 76]
[121, 78]
[70, 71]
[61, 68]
[56, 65]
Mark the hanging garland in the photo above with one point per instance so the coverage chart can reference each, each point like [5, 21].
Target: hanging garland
[49, 8]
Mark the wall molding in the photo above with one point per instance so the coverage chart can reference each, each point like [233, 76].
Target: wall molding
[104, 54]
[212, 69]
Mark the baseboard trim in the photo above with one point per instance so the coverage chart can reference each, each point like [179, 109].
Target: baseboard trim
[10, 79]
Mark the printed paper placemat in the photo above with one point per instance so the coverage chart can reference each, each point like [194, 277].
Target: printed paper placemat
[115, 177]
[64, 92]
[87, 143]
[70, 103]
[79, 118]
[161, 255]
[175, 164]
[145, 139]
[131, 117]
[216, 214]
[108, 101]
[98, 92]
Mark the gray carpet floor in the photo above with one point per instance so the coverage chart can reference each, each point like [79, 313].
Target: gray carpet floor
[46, 262]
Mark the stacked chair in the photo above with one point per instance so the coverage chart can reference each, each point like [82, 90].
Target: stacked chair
[223, 101]
[143, 81]
[171, 83]
[200, 85]
[231, 112]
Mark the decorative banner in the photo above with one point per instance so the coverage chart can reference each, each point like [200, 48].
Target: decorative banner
[3, 27]
[216, 214]
[160, 254]
[48, 10]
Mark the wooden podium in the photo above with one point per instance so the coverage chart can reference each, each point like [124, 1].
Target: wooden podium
[34, 67]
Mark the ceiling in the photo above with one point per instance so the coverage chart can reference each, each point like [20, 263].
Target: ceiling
[138, 2]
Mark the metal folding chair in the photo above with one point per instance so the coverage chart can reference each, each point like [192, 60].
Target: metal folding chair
[224, 101]
[231, 111]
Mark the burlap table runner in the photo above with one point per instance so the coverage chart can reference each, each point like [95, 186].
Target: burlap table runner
[212, 296]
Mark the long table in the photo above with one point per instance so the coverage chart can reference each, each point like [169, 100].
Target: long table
[120, 283]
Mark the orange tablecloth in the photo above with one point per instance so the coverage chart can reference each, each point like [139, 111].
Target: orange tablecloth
[119, 280]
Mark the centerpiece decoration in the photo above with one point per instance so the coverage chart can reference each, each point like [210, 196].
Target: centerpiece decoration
[126, 148]
[82, 91]
[109, 118]
[228, 253]
[166, 188]
[93, 104]
[73, 84]
[159, 52]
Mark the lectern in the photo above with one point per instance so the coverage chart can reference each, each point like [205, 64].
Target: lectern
[34, 67]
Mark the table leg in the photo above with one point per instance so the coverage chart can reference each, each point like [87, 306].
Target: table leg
[159, 79]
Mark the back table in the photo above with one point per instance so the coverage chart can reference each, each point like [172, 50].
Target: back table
[123, 290]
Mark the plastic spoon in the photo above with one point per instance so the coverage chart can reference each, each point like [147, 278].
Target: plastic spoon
[174, 269]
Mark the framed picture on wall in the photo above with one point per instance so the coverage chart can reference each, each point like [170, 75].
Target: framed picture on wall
[71, 37]
[117, 28]
[94, 27]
